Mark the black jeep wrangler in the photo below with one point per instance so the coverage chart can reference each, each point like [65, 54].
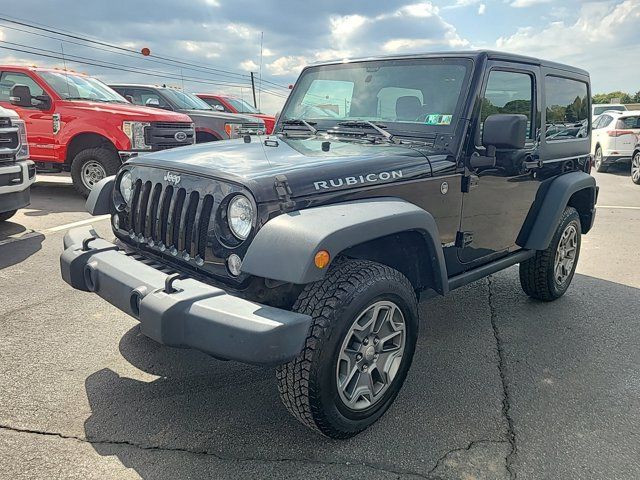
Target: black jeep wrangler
[386, 179]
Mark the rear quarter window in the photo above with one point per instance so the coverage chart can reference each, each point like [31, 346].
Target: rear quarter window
[567, 108]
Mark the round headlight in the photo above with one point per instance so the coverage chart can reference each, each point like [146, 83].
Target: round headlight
[240, 216]
[126, 186]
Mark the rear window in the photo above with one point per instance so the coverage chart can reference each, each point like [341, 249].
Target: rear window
[602, 109]
[629, 123]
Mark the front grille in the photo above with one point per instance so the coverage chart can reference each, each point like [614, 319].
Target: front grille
[5, 122]
[8, 138]
[167, 217]
[162, 135]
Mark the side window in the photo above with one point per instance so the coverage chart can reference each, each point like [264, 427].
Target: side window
[146, 97]
[567, 108]
[509, 92]
[605, 121]
[596, 123]
[632, 123]
[9, 79]
[216, 104]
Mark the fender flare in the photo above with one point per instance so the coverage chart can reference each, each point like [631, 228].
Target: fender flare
[285, 247]
[99, 200]
[553, 204]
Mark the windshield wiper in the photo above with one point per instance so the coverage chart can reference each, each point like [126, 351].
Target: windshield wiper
[300, 121]
[366, 123]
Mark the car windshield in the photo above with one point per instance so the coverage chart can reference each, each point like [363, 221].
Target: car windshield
[601, 110]
[185, 100]
[241, 106]
[406, 95]
[77, 87]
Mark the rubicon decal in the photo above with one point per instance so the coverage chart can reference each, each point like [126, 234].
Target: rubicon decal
[357, 180]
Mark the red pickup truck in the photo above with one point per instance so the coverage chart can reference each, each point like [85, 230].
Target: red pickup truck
[230, 104]
[77, 123]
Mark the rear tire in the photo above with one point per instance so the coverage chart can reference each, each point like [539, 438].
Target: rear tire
[635, 168]
[358, 350]
[4, 216]
[598, 160]
[92, 165]
[547, 275]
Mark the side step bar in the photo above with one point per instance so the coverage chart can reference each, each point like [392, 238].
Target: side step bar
[488, 269]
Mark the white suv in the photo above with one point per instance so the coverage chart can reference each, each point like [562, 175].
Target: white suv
[614, 136]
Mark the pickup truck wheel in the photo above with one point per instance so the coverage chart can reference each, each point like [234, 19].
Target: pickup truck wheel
[358, 350]
[7, 215]
[635, 169]
[547, 275]
[598, 161]
[92, 165]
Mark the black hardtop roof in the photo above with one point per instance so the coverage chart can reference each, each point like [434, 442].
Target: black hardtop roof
[475, 54]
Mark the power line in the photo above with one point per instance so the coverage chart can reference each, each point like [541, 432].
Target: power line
[171, 77]
[121, 50]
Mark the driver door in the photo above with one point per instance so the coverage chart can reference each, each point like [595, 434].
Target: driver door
[39, 121]
[500, 197]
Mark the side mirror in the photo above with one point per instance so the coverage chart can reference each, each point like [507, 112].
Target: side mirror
[505, 131]
[152, 102]
[220, 108]
[44, 101]
[20, 96]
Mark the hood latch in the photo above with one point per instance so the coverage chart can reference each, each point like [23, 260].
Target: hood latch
[284, 193]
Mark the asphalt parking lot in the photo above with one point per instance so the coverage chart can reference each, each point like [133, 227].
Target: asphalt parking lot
[501, 386]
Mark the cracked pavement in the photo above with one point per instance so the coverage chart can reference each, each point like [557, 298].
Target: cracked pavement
[501, 386]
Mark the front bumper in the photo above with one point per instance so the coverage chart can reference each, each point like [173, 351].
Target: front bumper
[184, 312]
[611, 159]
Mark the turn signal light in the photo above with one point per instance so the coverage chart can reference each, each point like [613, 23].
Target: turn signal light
[322, 259]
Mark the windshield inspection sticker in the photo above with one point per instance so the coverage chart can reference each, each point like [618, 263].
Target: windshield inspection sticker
[438, 119]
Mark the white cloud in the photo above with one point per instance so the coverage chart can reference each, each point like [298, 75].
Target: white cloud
[249, 66]
[528, 3]
[420, 10]
[482, 8]
[602, 40]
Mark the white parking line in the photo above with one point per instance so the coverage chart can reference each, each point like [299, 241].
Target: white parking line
[24, 236]
[67, 226]
[621, 207]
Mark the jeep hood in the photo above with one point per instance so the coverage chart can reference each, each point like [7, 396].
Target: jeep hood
[307, 167]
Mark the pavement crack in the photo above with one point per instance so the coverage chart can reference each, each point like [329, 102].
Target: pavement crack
[459, 449]
[506, 397]
[124, 443]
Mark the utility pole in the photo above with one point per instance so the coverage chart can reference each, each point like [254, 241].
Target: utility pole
[253, 88]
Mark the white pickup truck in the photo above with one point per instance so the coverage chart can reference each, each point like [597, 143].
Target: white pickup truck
[17, 172]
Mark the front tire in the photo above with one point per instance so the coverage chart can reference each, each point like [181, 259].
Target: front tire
[599, 161]
[358, 350]
[635, 168]
[92, 165]
[547, 275]
[4, 216]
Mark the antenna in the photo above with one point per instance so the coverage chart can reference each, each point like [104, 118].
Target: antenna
[66, 74]
[260, 88]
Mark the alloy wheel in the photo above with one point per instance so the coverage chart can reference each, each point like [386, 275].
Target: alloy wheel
[635, 168]
[566, 253]
[370, 355]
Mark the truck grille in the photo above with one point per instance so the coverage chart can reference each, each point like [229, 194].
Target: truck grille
[5, 122]
[168, 217]
[9, 141]
[164, 135]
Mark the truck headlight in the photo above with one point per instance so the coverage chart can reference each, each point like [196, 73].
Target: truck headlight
[126, 186]
[135, 132]
[23, 152]
[240, 216]
[233, 129]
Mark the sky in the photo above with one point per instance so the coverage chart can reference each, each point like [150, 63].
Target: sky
[602, 37]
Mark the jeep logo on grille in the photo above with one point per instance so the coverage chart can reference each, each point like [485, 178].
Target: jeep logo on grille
[171, 177]
[180, 137]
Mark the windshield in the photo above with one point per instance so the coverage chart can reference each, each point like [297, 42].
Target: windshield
[184, 100]
[601, 110]
[413, 95]
[76, 87]
[241, 106]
